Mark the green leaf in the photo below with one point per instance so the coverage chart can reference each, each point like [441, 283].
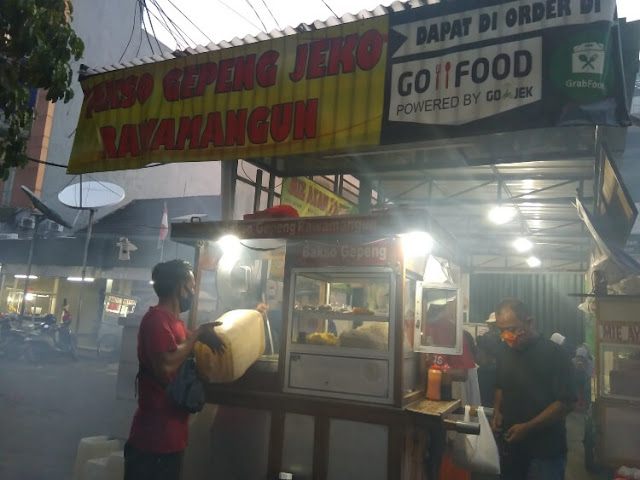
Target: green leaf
[37, 45]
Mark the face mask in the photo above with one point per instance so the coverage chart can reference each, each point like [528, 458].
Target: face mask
[186, 302]
[509, 338]
[520, 340]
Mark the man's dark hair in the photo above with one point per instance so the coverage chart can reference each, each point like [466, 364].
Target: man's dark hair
[168, 276]
[516, 306]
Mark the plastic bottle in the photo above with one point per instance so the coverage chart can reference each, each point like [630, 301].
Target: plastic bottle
[434, 382]
[446, 393]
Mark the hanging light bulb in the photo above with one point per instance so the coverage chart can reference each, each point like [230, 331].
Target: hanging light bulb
[416, 244]
[533, 262]
[501, 214]
[522, 245]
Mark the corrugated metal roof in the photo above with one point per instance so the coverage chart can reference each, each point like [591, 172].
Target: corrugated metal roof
[378, 11]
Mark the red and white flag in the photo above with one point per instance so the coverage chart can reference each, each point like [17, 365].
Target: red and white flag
[164, 226]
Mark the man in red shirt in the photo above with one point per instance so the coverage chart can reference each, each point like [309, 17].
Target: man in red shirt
[159, 432]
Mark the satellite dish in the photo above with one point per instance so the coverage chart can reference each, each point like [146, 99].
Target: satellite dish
[46, 210]
[87, 195]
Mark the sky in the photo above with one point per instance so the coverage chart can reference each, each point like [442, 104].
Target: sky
[217, 20]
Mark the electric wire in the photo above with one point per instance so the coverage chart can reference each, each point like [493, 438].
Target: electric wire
[257, 15]
[190, 21]
[153, 30]
[144, 25]
[271, 13]
[133, 28]
[185, 37]
[166, 27]
[161, 17]
[140, 42]
[330, 9]
[239, 14]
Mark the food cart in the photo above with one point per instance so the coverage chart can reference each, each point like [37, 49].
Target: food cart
[343, 375]
[618, 380]
[611, 437]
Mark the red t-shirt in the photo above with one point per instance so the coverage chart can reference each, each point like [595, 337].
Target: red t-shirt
[158, 426]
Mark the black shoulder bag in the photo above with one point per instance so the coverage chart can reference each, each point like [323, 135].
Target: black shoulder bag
[186, 392]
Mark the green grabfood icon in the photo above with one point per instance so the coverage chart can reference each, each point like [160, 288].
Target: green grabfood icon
[581, 67]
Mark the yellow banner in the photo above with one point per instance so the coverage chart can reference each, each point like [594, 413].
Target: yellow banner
[310, 92]
[313, 200]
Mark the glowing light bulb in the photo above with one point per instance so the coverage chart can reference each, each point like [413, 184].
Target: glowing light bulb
[522, 245]
[416, 244]
[534, 262]
[502, 214]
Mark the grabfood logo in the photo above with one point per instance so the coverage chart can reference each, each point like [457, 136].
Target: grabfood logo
[588, 58]
[582, 68]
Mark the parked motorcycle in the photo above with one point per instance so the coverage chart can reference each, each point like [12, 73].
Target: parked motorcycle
[13, 337]
[50, 340]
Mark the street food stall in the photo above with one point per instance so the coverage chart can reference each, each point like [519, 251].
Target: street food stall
[616, 410]
[504, 106]
[358, 297]
[613, 417]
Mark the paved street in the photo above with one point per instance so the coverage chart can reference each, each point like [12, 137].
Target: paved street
[46, 410]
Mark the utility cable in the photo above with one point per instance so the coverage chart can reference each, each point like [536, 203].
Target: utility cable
[153, 30]
[144, 25]
[257, 15]
[165, 23]
[178, 30]
[133, 28]
[141, 29]
[190, 21]
[330, 9]
[271, 13]
[166, 27]
[239, 14]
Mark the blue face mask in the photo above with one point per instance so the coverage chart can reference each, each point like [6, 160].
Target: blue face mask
[186, 302]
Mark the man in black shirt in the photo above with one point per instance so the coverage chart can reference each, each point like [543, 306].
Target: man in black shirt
[533, 396]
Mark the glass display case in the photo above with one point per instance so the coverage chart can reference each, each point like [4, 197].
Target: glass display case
[438, 320]
[620, 367]
[340, 338]
[617, 363]
[619, 348]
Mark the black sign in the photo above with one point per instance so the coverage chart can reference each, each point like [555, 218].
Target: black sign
[504, 65]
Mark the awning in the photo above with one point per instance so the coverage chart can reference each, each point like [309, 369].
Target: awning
[396, 88]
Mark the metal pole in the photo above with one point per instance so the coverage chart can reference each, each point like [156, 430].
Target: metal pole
[29, 261]
[229, 169]
[84, 267]
[257, 192]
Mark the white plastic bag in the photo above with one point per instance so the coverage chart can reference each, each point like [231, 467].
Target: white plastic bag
[476, 453]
